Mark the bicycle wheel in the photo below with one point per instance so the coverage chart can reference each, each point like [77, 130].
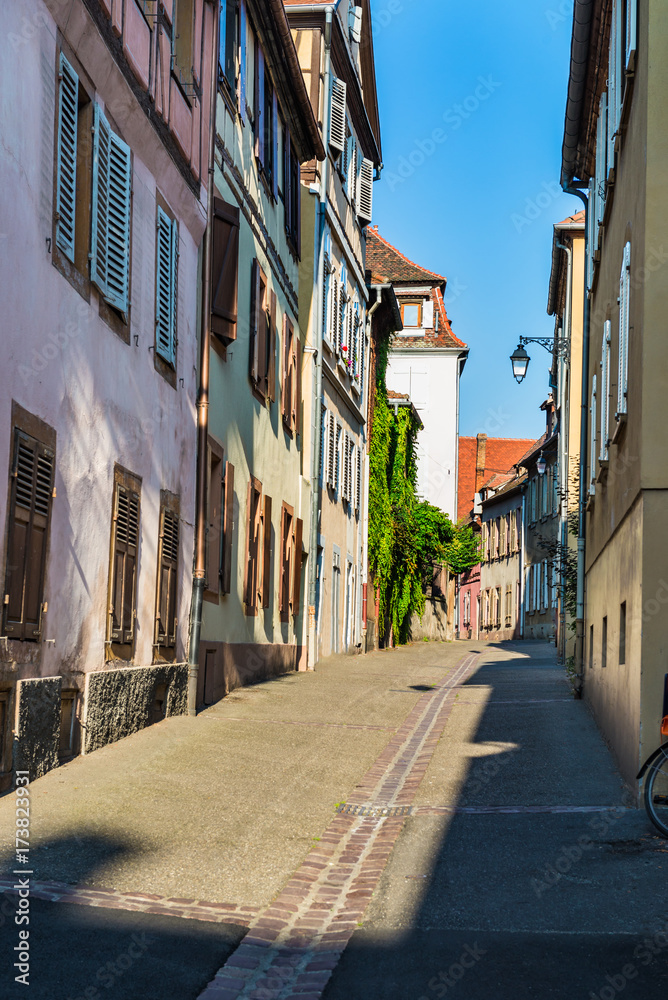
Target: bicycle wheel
[656, 794]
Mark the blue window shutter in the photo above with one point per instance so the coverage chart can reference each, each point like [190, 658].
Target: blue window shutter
[165, 288]
[242, 60]
[100, 200]
[118, 223]
[66, 165]
[259, 105]
[274, 133]
[110, 240]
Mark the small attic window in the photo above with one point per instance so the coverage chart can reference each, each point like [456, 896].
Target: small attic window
[411, 314]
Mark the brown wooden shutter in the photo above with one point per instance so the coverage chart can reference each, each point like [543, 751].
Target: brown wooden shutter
[256, 300]
[248, 572]
[228, 528]
[214, 521]
[126, 543]
[266, 552]
[271, 377]
[168, 555]
[224, 271]
[297, 564]
[298, 386]
[29, 514]
[287, 551]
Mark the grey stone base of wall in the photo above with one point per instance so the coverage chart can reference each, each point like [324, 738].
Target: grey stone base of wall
[224, 666]
[121, 702]
[38, 730]
[434, 624]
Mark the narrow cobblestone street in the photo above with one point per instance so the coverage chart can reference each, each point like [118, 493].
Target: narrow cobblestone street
[384, 827]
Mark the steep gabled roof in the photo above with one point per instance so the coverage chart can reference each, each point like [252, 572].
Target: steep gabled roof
[386, 263]
[501, 454]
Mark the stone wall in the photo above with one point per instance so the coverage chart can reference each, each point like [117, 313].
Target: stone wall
[38, 727]
[121, 702]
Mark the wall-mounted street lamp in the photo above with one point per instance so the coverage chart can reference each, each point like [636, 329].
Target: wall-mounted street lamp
[541, 464]
[519, 359]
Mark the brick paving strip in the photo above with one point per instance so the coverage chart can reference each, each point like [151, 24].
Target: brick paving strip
[145, 902]
[294, 945]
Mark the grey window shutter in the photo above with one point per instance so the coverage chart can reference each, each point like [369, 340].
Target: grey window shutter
[337, 120]
[165, 288]
[66, 162]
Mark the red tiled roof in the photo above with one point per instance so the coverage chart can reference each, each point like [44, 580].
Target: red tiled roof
[578, 217]
[501, 454]
[386, 263]
[391, 394]
[497, 480]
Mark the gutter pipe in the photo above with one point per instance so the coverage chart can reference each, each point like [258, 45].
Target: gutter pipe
[318, 293]
[199, 568]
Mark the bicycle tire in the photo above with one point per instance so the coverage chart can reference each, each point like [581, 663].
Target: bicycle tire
[657, 772]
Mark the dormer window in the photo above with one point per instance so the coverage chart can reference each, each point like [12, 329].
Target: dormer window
[411, 314]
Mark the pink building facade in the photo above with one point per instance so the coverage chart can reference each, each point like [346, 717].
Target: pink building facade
[104, 205]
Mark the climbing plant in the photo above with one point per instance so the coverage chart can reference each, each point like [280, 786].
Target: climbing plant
[407, 535]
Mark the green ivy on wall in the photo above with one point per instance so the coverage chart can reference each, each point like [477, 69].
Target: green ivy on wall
[406, 535]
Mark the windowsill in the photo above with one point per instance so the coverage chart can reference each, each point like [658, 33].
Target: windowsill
[229, 98]
[328, 344]
[621, 419]
[164, 368]
[355, 386]
[77, 279]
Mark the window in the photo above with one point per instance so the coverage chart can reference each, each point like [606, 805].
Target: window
[591, 646]
[168, 581]
[291, 563]
[347, 485]
[253, 540]
[246, 71]
[497, 607]
[266, 552]
[292, 197]
[32, 478]
[224, 271]
[262, 358]
[497, 538]
[265, 115]
[182, 45]
[291, 385]
[509, 607]
[219, 521]
[227, 59]
[337, 459]
[359, 458]
[622, 633]
[605, 391]
[411, 314]
[631, 34]
[167, 253]
[124, 554]
[604, 642]
[624, 289]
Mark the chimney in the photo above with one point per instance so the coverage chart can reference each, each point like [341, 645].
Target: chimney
[480, 459]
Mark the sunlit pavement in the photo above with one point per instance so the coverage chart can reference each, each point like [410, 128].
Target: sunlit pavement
[484, 849]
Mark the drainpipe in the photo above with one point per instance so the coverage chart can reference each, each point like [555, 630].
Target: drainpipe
[564, 438]
[522, 560]
[318, 292]
[199, 568]
[365, 517]
[569, 188]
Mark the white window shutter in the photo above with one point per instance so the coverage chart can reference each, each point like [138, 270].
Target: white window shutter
[165, 288]
[359, 455]
[428, 314]
[337, 459]
[631, 34]
[66, 164]
[591, 230]
[326, 295]
[592, 439]
[605, 391]
[624, 288]
[601, 151]
[331, 450]
[355, 22]
[337, 116]
[365, 206]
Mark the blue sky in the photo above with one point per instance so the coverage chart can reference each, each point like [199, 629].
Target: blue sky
[472, 99]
